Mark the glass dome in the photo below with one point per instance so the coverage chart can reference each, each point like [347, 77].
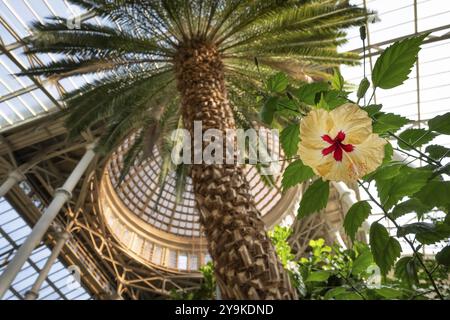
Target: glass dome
[146, 217]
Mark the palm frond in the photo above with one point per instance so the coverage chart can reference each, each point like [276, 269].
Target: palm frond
[130, 56]
[91, 40]
[181, 174]
[109, 101]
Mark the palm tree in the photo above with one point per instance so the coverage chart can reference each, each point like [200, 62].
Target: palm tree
[159, 64]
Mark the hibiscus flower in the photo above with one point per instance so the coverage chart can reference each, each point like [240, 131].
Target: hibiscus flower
[339, 145]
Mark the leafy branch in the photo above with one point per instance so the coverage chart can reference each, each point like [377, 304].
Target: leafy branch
[408, 241]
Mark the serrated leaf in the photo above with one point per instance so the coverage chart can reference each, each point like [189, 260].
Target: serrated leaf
[355, 217]
[315, 198]
[334, 99]
[414, 228]
[426, 233]
[290, 138]
[287, 107]
[435, 194]
[337, 82]
[440, 170]
[348, 296]
[296, 173]
[415, 138]
[443, 256]
[307, 93]
[388, 153]
[388, 171]
[440, 232]
[373, 109]
[268, 110]
[361, 263]
[385, 249]
[388, 293]
[332, 293]
[408, 206]
[322, 104]
[318, 276]
[437, 152]
[388, 122]
[440, 123]
[364, 85]
[395, 63]
[278, 83]
[405, 183]
[406, 271]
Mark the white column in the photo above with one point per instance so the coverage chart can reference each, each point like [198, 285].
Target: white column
[33, 294]
[13, 178]
[346, 195]
[62, 195]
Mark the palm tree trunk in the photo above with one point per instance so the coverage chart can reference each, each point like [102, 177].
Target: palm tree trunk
[245, 261]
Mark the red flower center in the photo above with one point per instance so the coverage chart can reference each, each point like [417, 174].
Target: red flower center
[336, 146]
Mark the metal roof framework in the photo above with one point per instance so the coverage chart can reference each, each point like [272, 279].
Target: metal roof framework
[28, 99]
[13, 231]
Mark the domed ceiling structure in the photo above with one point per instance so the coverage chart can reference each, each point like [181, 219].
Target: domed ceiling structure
[144, 215]
[34, 138]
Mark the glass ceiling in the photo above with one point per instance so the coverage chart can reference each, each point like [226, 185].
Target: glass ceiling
[423, 96]
[23, 98]
[156, 203]
[13, 232]
[426, 93]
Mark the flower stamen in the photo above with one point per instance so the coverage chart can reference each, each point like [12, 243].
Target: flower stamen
[337, 147]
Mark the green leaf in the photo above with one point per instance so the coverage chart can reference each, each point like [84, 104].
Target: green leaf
[415, 138]
[395, 63]
[388, 171]
[406, 271]
[322, 104]
[437, 152]
[364, 85]
[443, 256]
[315, 198]
[278, 83]
[393, 187]
[388, 122]
[307, 93]
[348, 296]
[440, 170]
[290, 138]
[334, 99]
[373, 109]
[435, 194]
[337, 82]
[268, 110]
[332, 293]
[414, 228]
[363, 262]
[296, 173]
[440, 124]
[408, 206]
[388, 293]
[318, 276]
[355, 217]
[388, 153]
[426, 233]
[385, 249]
[287, 106]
